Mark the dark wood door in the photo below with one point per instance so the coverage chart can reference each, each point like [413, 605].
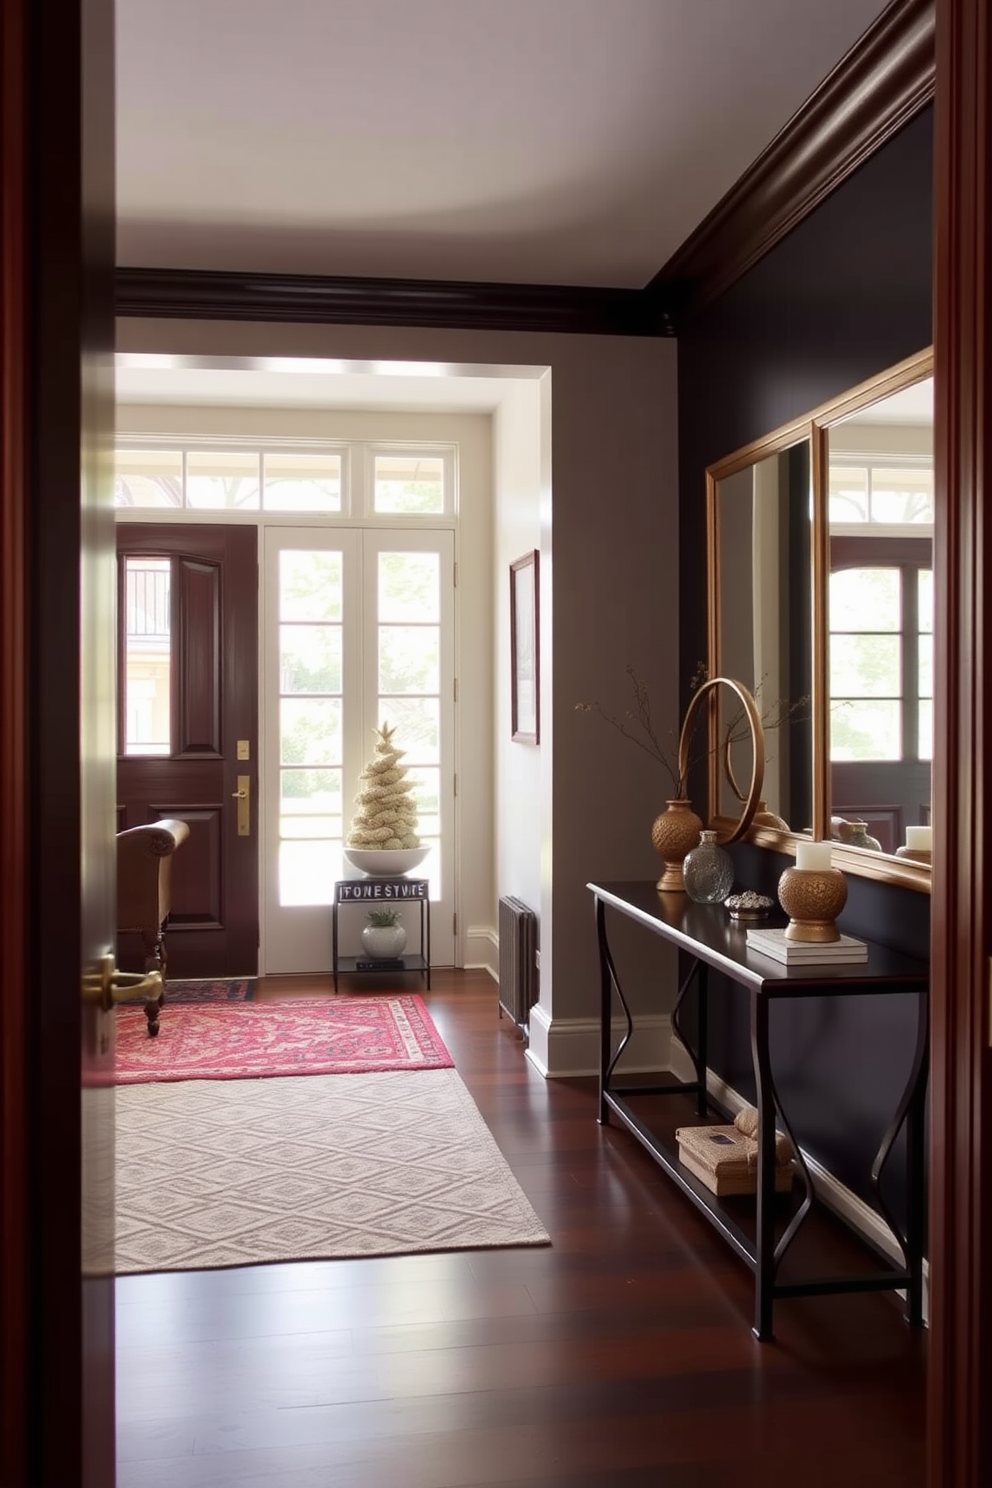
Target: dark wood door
[188, 596]
[56, 744]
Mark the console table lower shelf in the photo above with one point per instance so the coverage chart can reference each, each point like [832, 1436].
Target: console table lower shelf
[761, 1230]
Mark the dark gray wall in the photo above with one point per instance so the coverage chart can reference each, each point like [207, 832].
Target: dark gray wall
[845, 296]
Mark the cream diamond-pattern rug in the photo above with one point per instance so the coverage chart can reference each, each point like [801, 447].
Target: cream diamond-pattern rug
[214, 1173]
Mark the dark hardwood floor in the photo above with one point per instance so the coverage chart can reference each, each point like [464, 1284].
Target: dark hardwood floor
[620, 1356]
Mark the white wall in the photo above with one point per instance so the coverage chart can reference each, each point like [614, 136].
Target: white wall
[609, 556]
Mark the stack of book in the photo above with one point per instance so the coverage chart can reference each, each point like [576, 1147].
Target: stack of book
[806, 952]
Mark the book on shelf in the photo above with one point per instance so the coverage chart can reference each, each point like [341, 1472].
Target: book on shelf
[380, 963]
[806, 952]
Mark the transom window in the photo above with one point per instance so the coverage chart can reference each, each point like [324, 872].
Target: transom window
[896, 496]
[354, 479]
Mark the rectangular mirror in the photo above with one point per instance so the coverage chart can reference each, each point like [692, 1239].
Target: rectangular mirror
[820, 600]
[879, 619]
[760, 514]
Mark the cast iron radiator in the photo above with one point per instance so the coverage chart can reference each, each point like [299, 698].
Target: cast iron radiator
[518, 990]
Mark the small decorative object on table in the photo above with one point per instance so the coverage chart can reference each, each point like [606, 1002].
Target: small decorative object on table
[383, 840]
[918, 846]
[708, 871]
[859, 836]
[384, 938]
[812, 894]
[749, 906]
[725, 1158]
[674, 833]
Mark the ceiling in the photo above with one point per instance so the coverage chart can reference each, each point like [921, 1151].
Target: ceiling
[570, 142]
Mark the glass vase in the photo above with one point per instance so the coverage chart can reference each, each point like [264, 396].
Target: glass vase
[708, 871]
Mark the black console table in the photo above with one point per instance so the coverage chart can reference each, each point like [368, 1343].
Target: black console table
[383, 893]
[713, 940]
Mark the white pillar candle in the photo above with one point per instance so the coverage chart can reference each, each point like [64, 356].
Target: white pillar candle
[814, 856]
[920, 839]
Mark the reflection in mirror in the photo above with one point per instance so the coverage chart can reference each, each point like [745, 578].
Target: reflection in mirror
[761, 530]
[880, 619]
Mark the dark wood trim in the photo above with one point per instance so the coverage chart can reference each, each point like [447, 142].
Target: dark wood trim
[15, 1215]
[200, 294]
[886, 78]
[960, 1427]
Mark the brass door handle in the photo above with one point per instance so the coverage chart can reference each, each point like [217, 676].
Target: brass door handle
[106, 985]
[243, 798]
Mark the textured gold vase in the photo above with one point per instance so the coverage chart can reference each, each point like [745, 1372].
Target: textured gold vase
[765, 818]
[812, 898]
[674, 833]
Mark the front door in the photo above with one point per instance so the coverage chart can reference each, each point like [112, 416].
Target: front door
[187, 730]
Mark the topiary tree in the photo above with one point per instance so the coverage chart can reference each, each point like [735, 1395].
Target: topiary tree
[387, 813]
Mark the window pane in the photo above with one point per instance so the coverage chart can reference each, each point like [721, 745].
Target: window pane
[418, 727]
[302, 483]
[409, 658]
[409, 587]
[222, 481]
[427, 793]
[310, 658]
[307, 872]
[865, 599]
[862, 730]
[413, 484]
[925, 687]
[309, 586]
[310, 792]
[848, 495]
[901, 495]
[924, 592]
[148, 656]
[865, 666]
[148, 478]
[925, 742]
[310, 731]
[312, 828]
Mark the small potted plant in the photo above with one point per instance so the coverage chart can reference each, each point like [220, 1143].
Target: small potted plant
[384, 937]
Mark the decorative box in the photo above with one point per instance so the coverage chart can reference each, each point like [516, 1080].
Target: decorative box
[725, 1158]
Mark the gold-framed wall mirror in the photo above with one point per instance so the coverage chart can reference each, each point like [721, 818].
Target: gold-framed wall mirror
[820, 600]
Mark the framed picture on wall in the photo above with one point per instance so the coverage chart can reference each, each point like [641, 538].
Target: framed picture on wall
[524, 665]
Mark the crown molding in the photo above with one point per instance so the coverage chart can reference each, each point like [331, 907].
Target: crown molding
[201, 294]
[884, 80]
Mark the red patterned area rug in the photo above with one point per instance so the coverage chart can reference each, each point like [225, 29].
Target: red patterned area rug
[217, 989]
[250, 1041]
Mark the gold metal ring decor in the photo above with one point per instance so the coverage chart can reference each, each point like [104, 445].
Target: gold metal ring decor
[752, 800]
[676, 831]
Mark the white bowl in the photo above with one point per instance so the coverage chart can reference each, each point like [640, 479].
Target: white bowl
[384, 862]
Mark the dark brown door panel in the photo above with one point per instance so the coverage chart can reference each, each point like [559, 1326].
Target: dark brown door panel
[213, 927]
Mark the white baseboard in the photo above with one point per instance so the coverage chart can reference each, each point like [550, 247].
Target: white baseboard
[481, 950]
[829, 1190]
[562, 1048]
